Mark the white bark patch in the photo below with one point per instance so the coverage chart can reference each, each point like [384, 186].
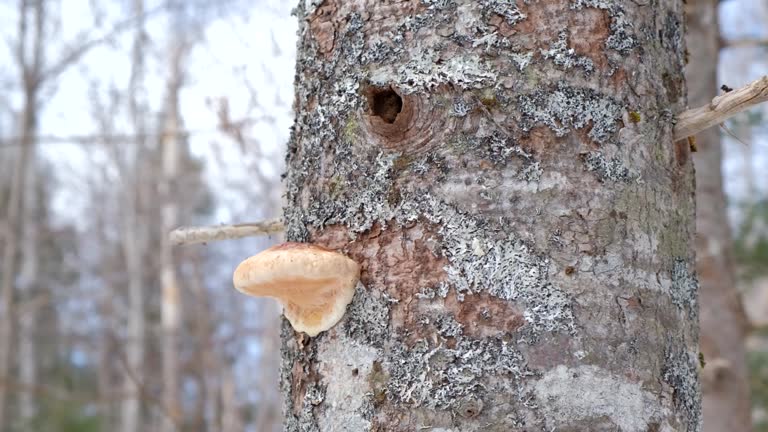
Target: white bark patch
[424, 73]
[346, 391]
[589, 392]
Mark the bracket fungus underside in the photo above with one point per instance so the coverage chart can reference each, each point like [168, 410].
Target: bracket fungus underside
[313, 284]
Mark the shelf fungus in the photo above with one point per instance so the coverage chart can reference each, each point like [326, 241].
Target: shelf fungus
[313, 284]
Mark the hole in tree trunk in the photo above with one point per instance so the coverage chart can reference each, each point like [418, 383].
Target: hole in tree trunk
[385, 103]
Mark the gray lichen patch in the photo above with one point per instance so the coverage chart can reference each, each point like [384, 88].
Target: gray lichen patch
[507, 9]
[461, 107]
[509, 270]
[499, 148]
[300, 401]
[484, 259]
[565, 108]
[589, 393]
[447, 326]
[521, 59]
[367, 317]
[364, 202]
[437, 376]
[566, 57]
[680, 371]
[427, 71]
[606, 169]
[305, 420]
[621, 38]
[685, 288]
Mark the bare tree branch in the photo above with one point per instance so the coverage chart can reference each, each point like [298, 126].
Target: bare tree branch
[743, 43]
[721, 108]
[74, 54]
[192, 235]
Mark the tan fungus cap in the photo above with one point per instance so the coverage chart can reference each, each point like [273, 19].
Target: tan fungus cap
[312, 283]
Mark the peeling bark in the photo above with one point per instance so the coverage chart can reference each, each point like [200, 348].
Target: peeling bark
[725, 384]
[504, 172]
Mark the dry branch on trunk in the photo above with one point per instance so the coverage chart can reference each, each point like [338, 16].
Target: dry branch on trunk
[721, 108]
[207, 234]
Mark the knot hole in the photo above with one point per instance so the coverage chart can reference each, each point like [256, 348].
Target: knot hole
[385, 103]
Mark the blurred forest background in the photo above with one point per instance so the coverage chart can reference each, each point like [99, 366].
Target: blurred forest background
[121, 120]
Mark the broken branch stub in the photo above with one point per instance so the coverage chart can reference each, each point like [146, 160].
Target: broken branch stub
[721, 108]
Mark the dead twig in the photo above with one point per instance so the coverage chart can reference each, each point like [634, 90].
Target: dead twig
[721, 108]
[192, 235]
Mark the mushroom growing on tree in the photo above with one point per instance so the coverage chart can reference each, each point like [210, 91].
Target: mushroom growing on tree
[313, 284]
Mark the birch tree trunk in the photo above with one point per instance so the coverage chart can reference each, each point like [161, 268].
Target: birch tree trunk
[14, 208]
[725, 384]
[29, 269]
[504, 172]
[134, 235]
[171, 307]
[22, 207]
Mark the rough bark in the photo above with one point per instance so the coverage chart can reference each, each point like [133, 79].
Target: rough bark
[505, 174]
[725, 385]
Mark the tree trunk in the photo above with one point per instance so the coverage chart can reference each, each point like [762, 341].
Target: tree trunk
[134, 236]
[29, 62]
[133, 233]
[171, 307]
[504, 173]
[11, 248]
[29, 269]
[725, 385]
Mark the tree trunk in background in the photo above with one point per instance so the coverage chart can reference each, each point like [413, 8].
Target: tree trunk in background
[743, 131]
[171, 306]
[133, 240]
[13, 224]
[505, 174]
[231, 420]
[134, 236]
[268, 416]
[726, 402]
[22, 207]
[28, 285]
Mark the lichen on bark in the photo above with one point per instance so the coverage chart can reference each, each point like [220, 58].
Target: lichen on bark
[511, 224]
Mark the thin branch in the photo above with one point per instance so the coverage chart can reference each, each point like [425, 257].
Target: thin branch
[721, 108]
[192, 235]
[90, 42]
[743, 43]
[116, 138]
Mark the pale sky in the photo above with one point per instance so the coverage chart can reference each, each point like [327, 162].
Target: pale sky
[235, 49]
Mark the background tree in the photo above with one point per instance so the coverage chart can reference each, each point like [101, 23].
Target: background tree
[104, 324]
[726, 403]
